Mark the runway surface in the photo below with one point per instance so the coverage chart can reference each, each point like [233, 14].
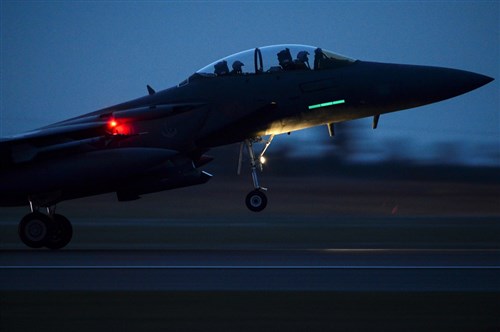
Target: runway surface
[250, 290]
[256, 232]
[328, 254]
[155, 268]
[252, 270]
[245, 254]
[243, 274]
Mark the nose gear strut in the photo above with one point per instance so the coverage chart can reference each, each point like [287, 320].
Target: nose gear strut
[256, 200]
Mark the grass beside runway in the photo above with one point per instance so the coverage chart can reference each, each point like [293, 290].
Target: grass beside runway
[248, 311]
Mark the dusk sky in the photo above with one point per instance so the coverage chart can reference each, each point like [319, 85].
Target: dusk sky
[60, 59]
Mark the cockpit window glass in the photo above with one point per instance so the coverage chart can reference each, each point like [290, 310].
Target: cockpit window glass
[236, 64]
[275, 58]
[287, 57]
[326, 59]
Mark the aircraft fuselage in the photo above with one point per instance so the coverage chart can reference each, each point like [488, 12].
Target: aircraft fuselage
[157, 142]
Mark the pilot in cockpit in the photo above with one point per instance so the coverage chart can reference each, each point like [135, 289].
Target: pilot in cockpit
[237, 67]
[221, 68]
[302, 61]
[285, 59]
[322, 61]
[286, 62]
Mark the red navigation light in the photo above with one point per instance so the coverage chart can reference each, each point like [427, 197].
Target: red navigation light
[116, 127]
[113, 126]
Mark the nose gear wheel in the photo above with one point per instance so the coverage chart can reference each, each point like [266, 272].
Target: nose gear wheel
[256, 201]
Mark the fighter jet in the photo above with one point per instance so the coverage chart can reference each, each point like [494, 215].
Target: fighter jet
[159, 141]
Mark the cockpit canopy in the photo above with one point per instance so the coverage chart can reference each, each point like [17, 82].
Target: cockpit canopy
[275, 58]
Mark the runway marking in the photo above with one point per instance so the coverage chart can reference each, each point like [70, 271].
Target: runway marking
[257, 250]
[248, 267]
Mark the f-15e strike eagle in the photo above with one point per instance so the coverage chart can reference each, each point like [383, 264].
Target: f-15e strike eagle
[158, 142]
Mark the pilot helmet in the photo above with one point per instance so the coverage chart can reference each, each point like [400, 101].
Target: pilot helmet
[221, 68]
[237, 65]
[302, 56]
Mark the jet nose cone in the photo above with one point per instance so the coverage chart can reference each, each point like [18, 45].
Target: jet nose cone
[394, 87]
[478, 80]
[419, 85]
[439, 83]
[464, 81]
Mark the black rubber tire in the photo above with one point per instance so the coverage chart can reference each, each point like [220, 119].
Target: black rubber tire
[256, 201]
[34, 229]
[60, 232]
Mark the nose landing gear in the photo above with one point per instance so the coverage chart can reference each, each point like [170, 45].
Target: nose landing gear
[256, 200]
[51, 230]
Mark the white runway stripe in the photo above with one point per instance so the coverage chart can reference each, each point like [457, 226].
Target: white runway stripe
[246, 267]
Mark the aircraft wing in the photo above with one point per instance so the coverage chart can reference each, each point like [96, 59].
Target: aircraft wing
[27, 146]
[72, 131]
[81, 132]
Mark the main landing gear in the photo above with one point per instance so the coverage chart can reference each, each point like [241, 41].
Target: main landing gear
[51, 230]
[256, 200]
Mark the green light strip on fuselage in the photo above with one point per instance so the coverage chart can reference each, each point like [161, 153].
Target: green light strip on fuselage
[330, 103]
